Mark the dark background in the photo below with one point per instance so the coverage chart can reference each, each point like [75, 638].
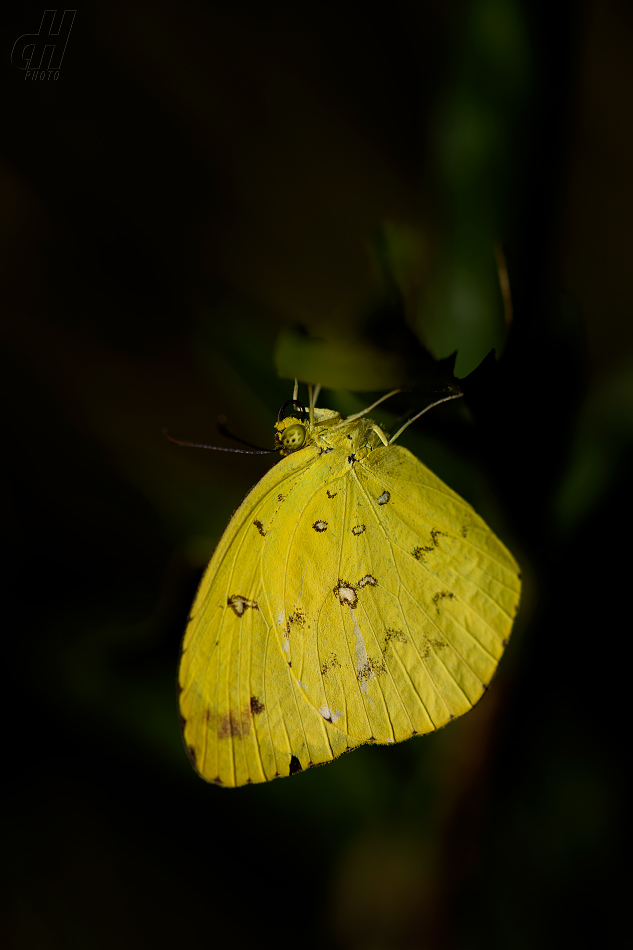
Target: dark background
[211, 194]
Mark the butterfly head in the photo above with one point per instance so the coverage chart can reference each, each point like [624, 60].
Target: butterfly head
[291, 435]
[296, 432]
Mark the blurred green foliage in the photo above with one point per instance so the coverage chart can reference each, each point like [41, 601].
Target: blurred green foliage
[238, 194]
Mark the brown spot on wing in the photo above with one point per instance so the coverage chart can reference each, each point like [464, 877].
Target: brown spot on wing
[235, 725]
[191, 754]
[320, 526]
[239, 604]
[257, 706]
[298, 617]
[330, 664]
[358, 529]
[431, 642]
[367, 581]
[346, 593]
[331, 494]
[391, 633]
[419, 552]
[442, 595]
[370, 669]
[260, 528]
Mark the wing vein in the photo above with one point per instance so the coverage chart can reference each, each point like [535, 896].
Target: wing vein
[377, 642]
[420, 657]
[454, 498]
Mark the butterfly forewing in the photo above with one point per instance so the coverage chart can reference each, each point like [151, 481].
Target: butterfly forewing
[246, 716]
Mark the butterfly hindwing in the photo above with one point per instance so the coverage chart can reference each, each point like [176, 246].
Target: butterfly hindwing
[454, 610]
[387, 621]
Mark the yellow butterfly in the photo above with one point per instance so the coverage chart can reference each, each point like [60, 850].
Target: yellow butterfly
[353, 598]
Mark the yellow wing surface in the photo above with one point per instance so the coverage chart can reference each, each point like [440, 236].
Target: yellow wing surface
[350, 600]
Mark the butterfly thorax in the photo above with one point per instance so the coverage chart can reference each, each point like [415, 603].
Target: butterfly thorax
[329, 432]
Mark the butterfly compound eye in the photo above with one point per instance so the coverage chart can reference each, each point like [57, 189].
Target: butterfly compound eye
[293, 437]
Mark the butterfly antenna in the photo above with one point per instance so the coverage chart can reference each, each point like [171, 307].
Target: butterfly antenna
[216, 448]
[433, 404]
[224, 430]
[295, 391]
[292, 402]
[364, 412]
